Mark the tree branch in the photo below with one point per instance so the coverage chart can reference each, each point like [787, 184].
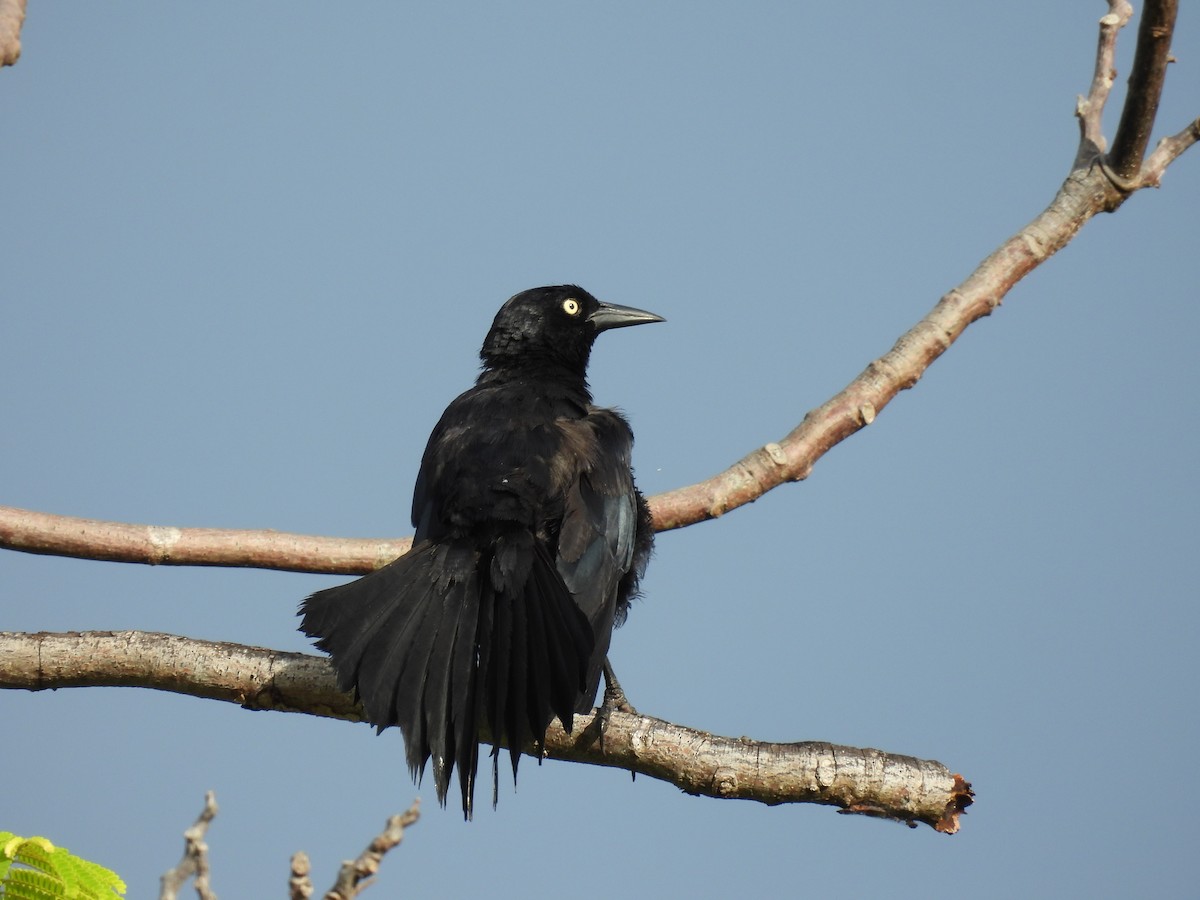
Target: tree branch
[45, 533]
[12, 17]
[864, 781]
[195, 857]
[1090, 110]
[1167, 151]
[300, 883]
[358, 874]
[1145, 86]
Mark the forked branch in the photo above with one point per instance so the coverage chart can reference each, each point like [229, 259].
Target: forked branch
[194, 863]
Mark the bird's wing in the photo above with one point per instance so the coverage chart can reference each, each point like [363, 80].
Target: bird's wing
[599, 537]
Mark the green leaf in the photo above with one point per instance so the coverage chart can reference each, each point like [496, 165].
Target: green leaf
[34, 869]
[26, 884]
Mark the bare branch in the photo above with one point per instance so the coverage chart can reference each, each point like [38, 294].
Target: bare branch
[300, 884]
[12, 17]
[857, 405]
[195, 857]
[45, 533]
[1145, 87]
[1167, 151]
[355, 875]
[253, 677]
[864, 781]
[855, 780]
[1090, 111]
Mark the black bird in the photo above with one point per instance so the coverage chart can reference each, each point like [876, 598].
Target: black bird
[530, 540]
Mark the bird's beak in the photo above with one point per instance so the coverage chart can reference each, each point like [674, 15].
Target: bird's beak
[609, 315]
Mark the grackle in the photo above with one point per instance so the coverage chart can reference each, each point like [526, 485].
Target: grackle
[530, 540]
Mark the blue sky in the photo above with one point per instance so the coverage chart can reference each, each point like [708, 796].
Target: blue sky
[249, 257]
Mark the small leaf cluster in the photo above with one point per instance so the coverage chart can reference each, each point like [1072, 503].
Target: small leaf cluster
[34, 869]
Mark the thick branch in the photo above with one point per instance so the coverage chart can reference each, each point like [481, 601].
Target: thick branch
[864, 781]
[1145, 87]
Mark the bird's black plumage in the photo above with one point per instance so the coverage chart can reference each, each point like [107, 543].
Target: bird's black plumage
[530, 540]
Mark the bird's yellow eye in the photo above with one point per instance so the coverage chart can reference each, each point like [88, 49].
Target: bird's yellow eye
[571, 306]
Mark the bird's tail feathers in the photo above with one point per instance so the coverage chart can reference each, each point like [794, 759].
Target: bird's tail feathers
[538, 647]
[447, 638]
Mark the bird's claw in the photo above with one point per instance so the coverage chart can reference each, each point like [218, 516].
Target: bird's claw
[614, 701]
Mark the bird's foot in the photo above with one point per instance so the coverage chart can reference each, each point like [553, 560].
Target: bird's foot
[614, 701]
[614, 694]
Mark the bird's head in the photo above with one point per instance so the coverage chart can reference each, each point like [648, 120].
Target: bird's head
[553, 327]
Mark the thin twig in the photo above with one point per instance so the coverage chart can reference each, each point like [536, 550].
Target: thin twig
[195, 857]
[300, 886]
[1167, 151]
[12, 16]
[1090, 110]
[355, 875]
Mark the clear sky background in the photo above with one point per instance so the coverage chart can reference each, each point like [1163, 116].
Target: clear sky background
[248, 254]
